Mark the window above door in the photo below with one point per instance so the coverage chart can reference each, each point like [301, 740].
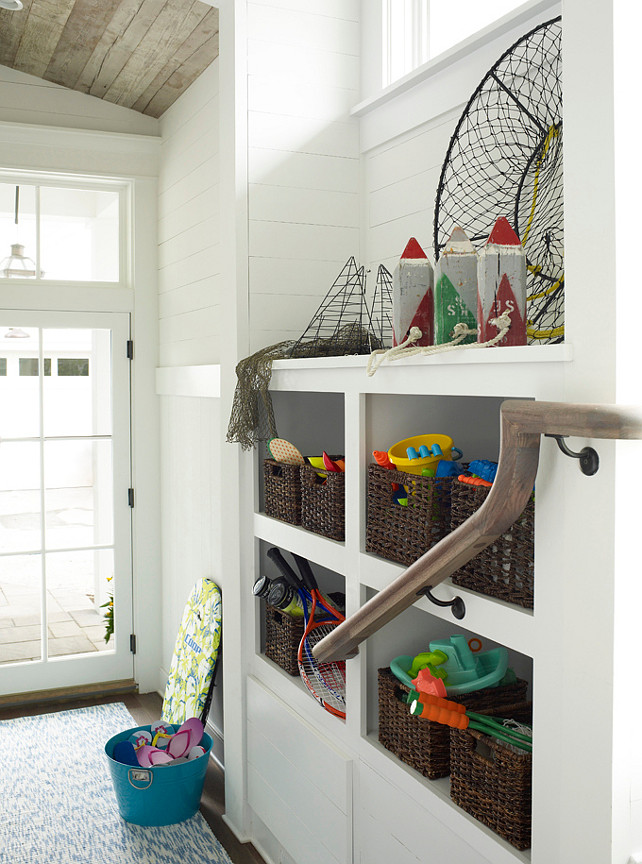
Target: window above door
[51, 232]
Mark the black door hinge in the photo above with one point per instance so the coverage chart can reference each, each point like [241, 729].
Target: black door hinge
[130, 497]
[132, 642]
[130, 349]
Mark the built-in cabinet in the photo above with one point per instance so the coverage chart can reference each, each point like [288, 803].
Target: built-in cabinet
[332, 404]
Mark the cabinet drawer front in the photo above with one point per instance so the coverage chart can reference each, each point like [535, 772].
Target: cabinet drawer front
[299, 783]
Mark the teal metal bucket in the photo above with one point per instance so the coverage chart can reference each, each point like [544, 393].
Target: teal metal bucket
[162, 795]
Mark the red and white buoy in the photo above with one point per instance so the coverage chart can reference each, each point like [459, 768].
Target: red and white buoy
[413, 299]
[501, 284]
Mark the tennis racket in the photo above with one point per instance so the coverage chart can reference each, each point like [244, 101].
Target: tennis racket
[326, 681]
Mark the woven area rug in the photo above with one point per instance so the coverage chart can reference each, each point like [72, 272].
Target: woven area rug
[57, 803]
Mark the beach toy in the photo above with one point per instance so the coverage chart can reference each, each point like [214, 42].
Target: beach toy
[381, 458]
[473, 481]
[462, 671]
[124, 752]
[447, 469]
[427, 683]
[282, 451]
[465, 671]
[196, 752]
[483, 468]
[329, 464]
[139, 738]
[398, 453]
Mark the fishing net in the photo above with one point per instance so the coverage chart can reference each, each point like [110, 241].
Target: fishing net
[341, 325]
[505, 159]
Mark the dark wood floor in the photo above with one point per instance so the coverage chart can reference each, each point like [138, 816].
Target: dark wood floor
[146, 709]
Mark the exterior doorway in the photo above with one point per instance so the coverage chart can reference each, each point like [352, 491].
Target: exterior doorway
[65, 514]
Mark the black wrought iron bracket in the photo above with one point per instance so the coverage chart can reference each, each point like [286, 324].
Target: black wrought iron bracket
[589, 460]
[457, 605]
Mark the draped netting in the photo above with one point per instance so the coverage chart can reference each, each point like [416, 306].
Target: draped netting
[505, 159]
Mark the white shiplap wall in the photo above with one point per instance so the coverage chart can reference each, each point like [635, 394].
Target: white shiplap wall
[27, 99]
[303, 158]
[188, 226]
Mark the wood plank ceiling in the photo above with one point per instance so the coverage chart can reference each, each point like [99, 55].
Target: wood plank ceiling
[141, 54]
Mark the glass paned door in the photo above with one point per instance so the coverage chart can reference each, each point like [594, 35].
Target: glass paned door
[65, 521]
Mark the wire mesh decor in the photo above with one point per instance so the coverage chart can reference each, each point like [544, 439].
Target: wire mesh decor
[505, 159]
[381, 309]
[341, 325]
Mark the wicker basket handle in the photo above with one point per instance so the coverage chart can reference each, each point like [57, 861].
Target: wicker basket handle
[522, 424]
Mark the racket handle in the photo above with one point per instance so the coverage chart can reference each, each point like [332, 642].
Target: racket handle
[440, 715]
[306, 572]
[284, 568]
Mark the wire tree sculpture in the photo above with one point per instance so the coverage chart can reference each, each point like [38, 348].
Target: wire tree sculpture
[505, 159]
[341, 324]
[381, 309]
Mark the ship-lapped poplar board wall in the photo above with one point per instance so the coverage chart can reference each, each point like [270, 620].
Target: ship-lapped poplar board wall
[189, 252]
[303, 159]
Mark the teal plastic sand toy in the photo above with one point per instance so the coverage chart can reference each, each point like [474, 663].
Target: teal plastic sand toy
[462, 671]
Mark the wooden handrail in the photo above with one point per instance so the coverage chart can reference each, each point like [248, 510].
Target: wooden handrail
[522, 424]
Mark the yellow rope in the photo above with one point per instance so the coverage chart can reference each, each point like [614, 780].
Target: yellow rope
[553, 132]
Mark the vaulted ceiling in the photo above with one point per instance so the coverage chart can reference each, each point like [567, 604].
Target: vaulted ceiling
[141, 54]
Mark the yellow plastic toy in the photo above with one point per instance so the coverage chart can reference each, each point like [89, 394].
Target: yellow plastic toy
[436, 447]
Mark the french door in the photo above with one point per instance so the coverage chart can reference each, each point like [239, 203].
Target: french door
[65, 515]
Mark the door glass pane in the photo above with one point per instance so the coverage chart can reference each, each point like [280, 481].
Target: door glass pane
[19, 400]
[20, 499]
[20, 617]
[79, 234]
[78, 583]
[77, 394]
[78, 493]
[17, 239]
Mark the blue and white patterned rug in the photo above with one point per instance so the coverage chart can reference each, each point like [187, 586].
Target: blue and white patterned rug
[57, 803]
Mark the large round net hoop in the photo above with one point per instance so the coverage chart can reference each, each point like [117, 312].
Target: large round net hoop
[505, 158]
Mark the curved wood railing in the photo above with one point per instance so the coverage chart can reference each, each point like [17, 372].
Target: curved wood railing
[522, 424]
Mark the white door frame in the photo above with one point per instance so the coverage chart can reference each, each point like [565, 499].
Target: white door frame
[117, 664]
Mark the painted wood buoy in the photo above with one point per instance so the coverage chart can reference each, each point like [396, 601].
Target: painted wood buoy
[413, 299]
[501, 278]
[456, 288]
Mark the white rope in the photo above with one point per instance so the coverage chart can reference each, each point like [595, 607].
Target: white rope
[460, 331]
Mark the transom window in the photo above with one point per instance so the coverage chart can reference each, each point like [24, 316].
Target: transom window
[415, 31]
[60, 233]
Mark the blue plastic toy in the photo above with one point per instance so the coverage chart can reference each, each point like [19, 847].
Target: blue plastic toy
[483, 468]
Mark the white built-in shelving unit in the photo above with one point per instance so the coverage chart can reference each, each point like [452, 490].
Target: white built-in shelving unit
[458, 393]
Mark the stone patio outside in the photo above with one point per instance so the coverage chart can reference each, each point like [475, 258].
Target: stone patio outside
[75, 624]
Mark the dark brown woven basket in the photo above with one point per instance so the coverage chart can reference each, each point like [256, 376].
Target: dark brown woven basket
[282, 636]
[282, 484]
[401, 533]
[492, 781]
[420, 743]
[323, 502]
[505, 569]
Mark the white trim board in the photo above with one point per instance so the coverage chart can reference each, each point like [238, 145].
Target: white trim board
[203, 381]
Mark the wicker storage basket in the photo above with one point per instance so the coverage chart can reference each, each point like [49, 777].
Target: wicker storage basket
[420, 743]
[401, 533]
[282, 636]
[505, 568]
[282, 484]
[492, 781]
[323, 503]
